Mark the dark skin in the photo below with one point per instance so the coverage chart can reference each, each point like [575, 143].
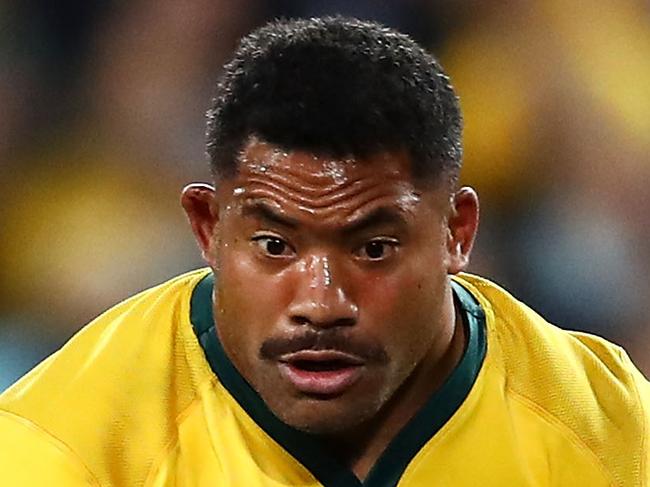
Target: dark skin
[343, 264]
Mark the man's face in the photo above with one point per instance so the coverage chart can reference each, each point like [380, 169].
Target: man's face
[331, 280]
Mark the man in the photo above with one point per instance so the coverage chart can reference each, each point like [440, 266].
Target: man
[333, 340]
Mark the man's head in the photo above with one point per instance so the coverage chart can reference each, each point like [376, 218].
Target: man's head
[335, 223]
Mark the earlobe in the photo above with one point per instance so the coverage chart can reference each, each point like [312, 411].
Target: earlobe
[462, 227]
[199, 202]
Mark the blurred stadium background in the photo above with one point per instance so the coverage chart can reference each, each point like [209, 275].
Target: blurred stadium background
[101, 125]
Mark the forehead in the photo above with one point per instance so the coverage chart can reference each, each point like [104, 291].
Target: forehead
[259, 157]
[328, 189]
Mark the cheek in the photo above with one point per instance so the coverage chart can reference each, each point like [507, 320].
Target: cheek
[401, 294]
[384, 297]
[403, 310]
[248, 298]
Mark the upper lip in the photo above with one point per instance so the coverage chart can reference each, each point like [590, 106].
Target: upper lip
[322, 356]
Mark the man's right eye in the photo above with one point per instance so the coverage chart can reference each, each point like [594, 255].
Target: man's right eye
[273, 246]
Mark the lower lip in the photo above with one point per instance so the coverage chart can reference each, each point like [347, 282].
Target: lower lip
[324, 382]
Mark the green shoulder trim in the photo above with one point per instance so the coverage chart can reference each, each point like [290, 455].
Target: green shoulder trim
[307, 448]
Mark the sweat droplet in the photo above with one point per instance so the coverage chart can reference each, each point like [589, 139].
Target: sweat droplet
[277, 155]
[336, 171]
[327, 273]
[408, 200]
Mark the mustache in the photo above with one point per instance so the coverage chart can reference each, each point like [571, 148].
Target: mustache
[334, 339]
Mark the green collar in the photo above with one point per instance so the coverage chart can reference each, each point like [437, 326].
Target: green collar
[306, 448]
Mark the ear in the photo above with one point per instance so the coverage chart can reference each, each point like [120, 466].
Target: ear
[200, 205]
[462, 226]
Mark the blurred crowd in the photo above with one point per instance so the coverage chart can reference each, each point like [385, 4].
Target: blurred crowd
[102, 123]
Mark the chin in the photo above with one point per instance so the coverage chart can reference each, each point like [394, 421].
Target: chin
[322, 417]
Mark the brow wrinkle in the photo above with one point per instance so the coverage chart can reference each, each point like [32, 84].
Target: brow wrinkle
[322, 198]
[264, 189]
[382, 215]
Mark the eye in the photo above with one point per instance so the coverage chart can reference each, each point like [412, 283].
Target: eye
[273, 246]
[378, 249]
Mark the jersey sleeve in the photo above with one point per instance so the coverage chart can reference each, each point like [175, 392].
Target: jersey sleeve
[29, 456]
[643, 387]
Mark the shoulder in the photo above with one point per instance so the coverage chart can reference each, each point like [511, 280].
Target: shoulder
[582, 383]
[23, 445]
[523, 338]
[121, 338]
[121, 380]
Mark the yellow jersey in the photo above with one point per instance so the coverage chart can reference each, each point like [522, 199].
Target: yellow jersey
[145, 396]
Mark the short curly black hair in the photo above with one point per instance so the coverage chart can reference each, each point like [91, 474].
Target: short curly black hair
[336, 86]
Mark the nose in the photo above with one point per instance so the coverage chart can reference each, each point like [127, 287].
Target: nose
[320, 299]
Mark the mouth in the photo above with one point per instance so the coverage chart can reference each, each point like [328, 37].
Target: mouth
[321, 372]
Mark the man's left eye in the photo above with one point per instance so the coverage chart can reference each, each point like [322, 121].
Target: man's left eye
[376, 250]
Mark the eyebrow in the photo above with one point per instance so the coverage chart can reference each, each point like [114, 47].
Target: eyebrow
[383, 215]
[264, 211]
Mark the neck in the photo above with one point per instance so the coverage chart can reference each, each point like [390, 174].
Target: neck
[362, 447]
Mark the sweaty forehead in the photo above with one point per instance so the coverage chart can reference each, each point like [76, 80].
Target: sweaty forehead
[321, 185]
[260, 157]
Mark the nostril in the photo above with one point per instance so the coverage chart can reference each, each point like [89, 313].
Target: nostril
[345, 322]
[300, 320]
